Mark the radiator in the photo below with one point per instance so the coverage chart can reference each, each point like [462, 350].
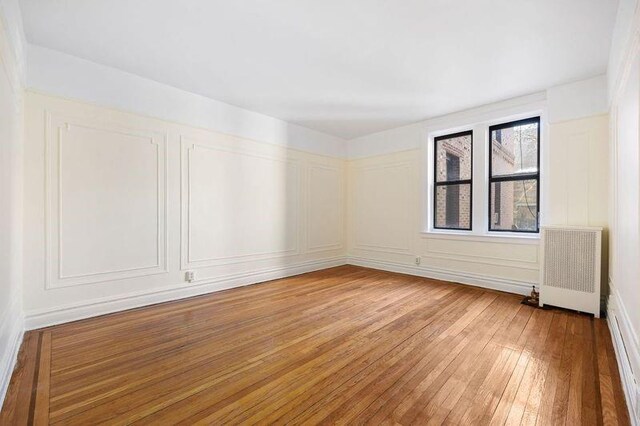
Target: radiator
[570, 269]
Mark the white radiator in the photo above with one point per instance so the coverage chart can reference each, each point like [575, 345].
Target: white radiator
[570, 270]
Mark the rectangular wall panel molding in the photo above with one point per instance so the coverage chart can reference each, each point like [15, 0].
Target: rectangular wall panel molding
[325, 223]
[382, 199]
[105, 201]
[121, 205]
[522, 256]
[236, 205]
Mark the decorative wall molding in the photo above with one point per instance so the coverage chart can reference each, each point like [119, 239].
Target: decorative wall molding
[478, 280]
[13, 323]
[382, 249]
[102, 306]
[188, 146]
[474, 259]
[312, 247]
[483, 238]
[358, 242]
[487, 259]
[65, 299]
[627, 349]
[56, 124]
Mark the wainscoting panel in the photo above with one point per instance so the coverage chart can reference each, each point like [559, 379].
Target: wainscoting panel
[578, 172]
[325, 223]
[487, 252]
[383, 202]
[237, 205]
[106, 201]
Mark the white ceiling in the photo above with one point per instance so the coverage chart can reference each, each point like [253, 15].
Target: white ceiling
[344, 67]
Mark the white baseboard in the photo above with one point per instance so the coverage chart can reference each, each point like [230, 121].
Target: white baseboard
[102, 306]
[625, 343]
[493, 283]
[8, 359]
[96, 307]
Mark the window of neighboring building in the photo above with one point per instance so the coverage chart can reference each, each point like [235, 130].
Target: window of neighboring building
[514, 176]
[453, 181]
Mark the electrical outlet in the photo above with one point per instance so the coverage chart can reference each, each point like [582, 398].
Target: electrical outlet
[190, 276]
[417, 260]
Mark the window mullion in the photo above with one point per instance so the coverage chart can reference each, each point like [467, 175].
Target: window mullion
[454, 182]
[511, 178]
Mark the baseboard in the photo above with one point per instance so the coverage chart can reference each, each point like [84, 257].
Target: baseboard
[625, 344]
[10, 356]
[493, 283]
[102, 306]
[96, 307]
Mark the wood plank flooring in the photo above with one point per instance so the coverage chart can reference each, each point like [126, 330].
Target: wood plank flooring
[343, 345]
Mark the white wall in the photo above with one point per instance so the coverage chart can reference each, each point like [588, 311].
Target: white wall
[389, 203]
[624, 35]
[385, 198]
[11, 319]
[624, 276]
[56, 73]
[122, 205]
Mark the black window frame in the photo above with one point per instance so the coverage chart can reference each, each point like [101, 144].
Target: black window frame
[436, 184]
[515, 177]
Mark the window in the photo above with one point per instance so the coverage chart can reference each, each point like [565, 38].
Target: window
[453, 183]
[514, 176]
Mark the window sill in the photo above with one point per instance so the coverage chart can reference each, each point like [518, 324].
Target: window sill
[502, 237]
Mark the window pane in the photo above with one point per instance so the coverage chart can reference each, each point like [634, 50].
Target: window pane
[453, 158]
[514, 205]
[514, 150]
[453, 206]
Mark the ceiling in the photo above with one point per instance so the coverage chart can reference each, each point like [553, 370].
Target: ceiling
[344, 67]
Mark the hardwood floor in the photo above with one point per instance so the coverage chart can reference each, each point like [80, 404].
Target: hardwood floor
[344, 345]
